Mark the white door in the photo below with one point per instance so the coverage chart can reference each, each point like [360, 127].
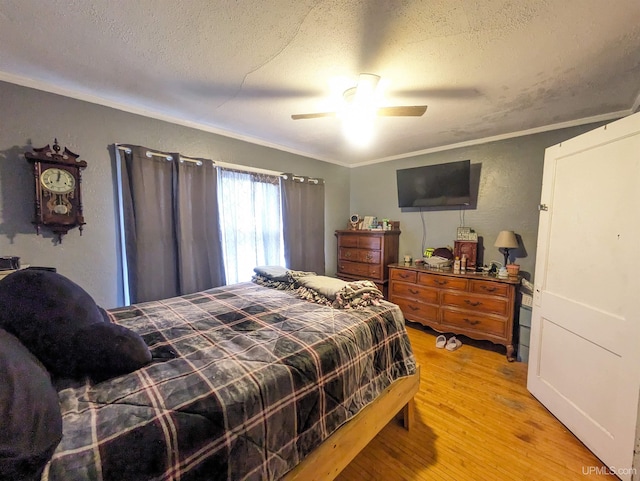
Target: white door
[584, 363]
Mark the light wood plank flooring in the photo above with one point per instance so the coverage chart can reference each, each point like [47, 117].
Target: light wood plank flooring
[474, 420]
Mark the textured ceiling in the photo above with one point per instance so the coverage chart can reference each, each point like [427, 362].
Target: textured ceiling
[485, 68]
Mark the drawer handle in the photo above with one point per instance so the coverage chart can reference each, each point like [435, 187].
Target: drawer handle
[414, 291]
[474, 322]
[471, 303]
[404, 276]
[414, 308]
[440, 283]
[489, 289]
[348, 254]
[369, 257]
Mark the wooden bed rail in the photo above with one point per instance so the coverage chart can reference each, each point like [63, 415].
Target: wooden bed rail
[337, 451]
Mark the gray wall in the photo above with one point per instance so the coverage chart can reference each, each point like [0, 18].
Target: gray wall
[508, 194]
[32, 118]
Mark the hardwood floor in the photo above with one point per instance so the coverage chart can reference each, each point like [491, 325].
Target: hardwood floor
[474, 420]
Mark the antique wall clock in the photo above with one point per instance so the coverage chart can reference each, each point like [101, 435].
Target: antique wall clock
[58, 200]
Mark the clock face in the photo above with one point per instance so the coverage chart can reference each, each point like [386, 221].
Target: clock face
[58, 181]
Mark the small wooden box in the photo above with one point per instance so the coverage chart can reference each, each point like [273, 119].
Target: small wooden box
[470, 248]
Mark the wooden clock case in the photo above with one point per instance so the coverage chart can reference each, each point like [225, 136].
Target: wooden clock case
[57, 211]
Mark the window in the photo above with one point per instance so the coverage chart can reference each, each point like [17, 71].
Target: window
[250, 221]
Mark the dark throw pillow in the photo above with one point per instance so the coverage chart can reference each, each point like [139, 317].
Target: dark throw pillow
[30, 420]
[48, 313]
[109, 350]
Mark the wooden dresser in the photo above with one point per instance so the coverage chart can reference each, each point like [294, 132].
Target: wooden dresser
[366, 254]
[475, 305]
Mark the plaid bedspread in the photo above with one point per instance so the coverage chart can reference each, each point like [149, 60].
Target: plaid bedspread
[245, 382]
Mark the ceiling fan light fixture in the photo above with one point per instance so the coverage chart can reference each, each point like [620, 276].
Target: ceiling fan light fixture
[365, 91]
[358, 130]
[359, 111]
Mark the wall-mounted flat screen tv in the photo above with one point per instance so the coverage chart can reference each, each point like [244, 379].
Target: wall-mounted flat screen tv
[435, 185]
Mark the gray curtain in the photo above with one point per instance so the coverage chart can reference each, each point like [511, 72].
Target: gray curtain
[200, 260]
[303, 223]
[171, 229]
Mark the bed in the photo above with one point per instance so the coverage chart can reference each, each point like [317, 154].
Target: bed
[246, 383]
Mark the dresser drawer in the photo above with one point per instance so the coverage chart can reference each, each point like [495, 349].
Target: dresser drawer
[359, 255]
[348, 254]
[490, 305]
[362, 242]
[474, 321]
[412, 291]
[401, 275]
[443, 282]
[370, 257]
[488, 287]
[359, 269]
[417, 311]
[368, 242]
[348, 241]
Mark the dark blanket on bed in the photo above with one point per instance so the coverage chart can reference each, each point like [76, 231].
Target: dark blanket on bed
[244, 383]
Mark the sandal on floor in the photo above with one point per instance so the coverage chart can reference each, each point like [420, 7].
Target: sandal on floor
[453, 344]
[440, 341]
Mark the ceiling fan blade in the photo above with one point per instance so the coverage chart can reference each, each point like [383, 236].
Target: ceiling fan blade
[439, 92]
[217, 90]
[398, 111]
[313, 116]
[403, 111]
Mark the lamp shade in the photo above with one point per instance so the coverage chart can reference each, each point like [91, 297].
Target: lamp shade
[507, 239]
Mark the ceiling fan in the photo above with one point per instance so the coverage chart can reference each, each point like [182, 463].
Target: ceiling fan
[362, 98]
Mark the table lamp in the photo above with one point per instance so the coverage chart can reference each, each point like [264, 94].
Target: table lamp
[506, 240]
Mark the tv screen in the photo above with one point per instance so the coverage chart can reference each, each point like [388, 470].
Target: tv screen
[435, 185]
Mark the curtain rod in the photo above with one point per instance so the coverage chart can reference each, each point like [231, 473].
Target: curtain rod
[151, 153]
[302, 178]
[244, 168]
[256, 170]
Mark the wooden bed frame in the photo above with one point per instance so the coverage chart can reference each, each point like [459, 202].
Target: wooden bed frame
[337, 451]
